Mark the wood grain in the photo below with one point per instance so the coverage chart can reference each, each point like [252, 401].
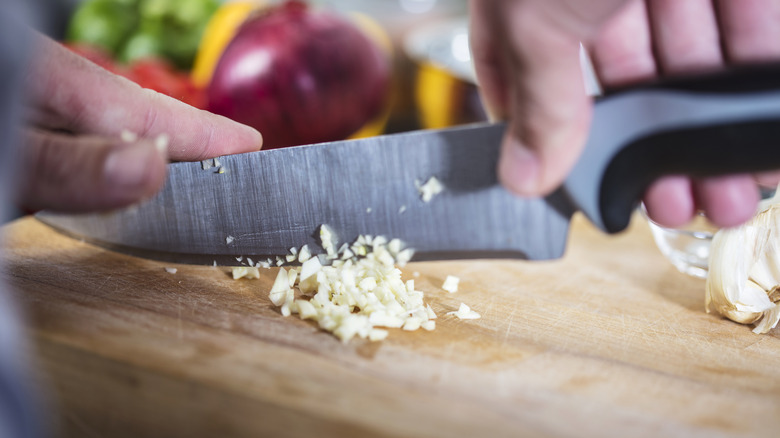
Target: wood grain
[609, 341]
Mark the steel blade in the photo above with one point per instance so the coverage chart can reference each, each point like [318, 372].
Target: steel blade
[269, 201]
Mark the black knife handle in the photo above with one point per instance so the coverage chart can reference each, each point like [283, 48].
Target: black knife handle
[698, 152]
[736, 79]
[723, 123]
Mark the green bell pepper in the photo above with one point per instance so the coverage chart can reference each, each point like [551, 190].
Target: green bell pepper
[134, 29]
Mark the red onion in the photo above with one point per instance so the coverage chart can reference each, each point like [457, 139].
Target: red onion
[300, 76]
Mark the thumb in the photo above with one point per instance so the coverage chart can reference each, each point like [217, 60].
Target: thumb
[549, 115]
[69, 173]
[526, 55]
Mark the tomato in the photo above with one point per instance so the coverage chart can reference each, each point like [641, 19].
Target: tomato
[159, 75]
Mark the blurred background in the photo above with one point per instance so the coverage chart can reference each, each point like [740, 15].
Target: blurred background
[178, 47]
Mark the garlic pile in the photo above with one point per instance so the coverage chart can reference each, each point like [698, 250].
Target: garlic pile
[744, 270]
[358, 292]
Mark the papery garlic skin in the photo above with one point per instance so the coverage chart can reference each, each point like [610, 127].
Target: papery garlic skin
[744, 271]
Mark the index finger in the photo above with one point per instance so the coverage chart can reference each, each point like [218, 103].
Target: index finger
[68, 92]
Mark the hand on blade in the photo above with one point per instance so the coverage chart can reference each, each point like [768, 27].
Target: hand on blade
[526, 56]
[73, 157]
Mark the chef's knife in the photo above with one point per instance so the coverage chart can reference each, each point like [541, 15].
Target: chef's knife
[264, 203]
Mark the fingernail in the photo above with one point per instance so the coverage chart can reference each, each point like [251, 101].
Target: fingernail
[518, 168]
[258, 137]
[128, 166]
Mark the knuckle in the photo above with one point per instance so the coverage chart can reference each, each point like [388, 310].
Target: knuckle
[52, 170]
[152, 114]
[46, 159]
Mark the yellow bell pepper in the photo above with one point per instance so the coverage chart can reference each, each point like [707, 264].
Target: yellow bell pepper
[438, 96]
[219, 31]
[378, 34]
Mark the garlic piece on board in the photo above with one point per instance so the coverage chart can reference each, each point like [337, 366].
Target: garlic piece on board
[451, 284]
[245, 272]
[744, 270]
[465, 312]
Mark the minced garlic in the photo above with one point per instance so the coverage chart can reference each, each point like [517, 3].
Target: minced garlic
[304, 254]
[429, 189]
[245, 272]
[328, 241]
[292, 256]
[451, 284]
[355, 296]
[465, 312]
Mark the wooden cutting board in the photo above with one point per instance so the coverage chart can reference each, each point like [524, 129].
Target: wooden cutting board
[610, 341]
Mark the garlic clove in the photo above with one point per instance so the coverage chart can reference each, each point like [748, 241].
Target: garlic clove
[769, 321]
[750, 305]
[744, 270]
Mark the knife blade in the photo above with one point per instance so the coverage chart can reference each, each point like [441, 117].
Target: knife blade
[267, 202]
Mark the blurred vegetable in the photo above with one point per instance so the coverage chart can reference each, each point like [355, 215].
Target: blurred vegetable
[153, 73]
[439, 96]
[161, 76]
[103, 23]
[219, 31]
[379, 35]
[135, 29]
[444, 100]
[300, 76]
